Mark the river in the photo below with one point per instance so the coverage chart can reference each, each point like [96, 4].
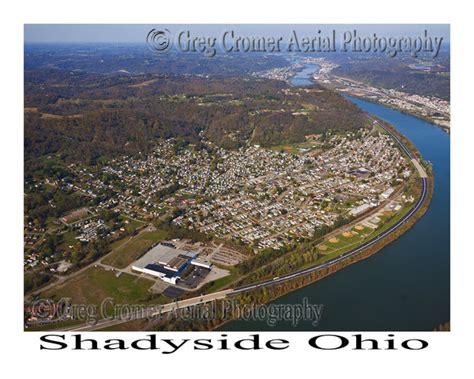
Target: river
[406, 285]
[303, 78]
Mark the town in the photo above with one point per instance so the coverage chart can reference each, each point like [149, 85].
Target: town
[253, 196]
[431, 108]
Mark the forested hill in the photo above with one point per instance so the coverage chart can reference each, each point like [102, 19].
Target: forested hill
[87, 116]
[107, 58]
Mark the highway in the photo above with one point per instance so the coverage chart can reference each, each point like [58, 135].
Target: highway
[341, 257]
[163, 309]
[222, 294]
[393, 228]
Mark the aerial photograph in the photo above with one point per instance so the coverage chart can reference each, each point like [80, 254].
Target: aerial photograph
[214, 177]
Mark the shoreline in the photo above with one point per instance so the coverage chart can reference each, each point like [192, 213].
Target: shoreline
[290, 284]
[285, 287]
[315, 276]
[314, 81]
[420, 117]
[279, 290]
[272, 291]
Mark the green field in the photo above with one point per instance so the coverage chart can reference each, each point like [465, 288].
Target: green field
[96, 284]
[128, 251]
[295, 148]
[132, 224]
[68, 239]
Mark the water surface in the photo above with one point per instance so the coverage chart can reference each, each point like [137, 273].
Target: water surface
[406, 285]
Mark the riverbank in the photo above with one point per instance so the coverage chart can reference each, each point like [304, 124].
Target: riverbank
[337, 83]
[404, 111]
[407, 287]
[391, 231]
[272, 292]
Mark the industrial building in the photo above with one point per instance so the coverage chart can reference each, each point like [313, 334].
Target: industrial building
[386, 194]
[360, 209]
[167, 263]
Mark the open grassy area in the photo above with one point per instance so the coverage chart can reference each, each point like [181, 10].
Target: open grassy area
[336, 243]
[388, 222]
[295, 148]
[68, 240]
[131, 249]
[350, 238]
[346, 244]
[96, 284]
[130, 224]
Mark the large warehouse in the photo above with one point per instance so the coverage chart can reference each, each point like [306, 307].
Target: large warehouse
[166, 262]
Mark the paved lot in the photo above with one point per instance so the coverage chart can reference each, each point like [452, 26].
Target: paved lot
[159, 287]
[196, 277]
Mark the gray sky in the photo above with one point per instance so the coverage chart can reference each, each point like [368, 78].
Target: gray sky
[136, 33]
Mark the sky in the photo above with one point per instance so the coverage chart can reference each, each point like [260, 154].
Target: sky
[133, 33]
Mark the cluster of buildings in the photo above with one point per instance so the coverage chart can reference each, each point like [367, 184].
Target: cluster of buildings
[90, 230]
[261, 197]
[280, 73]
[435, 109]
[33, 259]
[266, 198]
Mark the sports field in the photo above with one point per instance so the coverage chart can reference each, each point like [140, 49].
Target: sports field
[358, 234]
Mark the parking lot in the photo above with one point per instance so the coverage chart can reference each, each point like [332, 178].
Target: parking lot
[195, 277]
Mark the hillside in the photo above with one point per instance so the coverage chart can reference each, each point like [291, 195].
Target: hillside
[88, 116]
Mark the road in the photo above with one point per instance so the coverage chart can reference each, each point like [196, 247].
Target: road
[341, 257]
[163, 309]
[392, 229]
[222, 294]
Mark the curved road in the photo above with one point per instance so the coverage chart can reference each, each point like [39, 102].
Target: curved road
[393, 228]
[222, 294]
[341, 257]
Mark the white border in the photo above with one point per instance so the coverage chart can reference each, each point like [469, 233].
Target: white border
[448, 352]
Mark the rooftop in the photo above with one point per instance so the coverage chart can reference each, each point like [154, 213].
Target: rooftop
[165, 255]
